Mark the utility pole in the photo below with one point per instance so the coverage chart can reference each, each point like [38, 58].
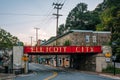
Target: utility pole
[36, 40]
[57, 6]
[36, 34]
[31, 40]
[31, 46]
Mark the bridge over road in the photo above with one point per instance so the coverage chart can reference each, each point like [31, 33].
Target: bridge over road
[88, 57]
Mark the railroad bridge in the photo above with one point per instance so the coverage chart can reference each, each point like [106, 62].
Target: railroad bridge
[80, 57]
[80, 49]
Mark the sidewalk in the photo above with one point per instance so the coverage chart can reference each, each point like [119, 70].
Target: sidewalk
[4, 76]
[109, 75]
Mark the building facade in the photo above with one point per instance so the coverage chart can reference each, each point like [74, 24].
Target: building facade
[80, 38]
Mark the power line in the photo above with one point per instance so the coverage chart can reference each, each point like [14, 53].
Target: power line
[22, 14]
[48, 18]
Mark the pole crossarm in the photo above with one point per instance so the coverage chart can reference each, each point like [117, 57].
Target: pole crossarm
[57, 5]
[57, 14]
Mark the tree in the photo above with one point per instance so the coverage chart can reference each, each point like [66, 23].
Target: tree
[7, 41]
[110, 16]
[61, 29]
[110, 21]
[80, 19]
[75, 19]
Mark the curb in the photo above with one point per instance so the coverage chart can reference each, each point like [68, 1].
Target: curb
[109, 76]
[96, 73]
[103, 75]
[9, 77]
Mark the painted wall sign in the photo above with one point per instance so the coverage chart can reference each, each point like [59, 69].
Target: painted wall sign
[62, 49]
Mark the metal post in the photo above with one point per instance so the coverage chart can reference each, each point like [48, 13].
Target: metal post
[26, 67]
[31, 45]
[114, 67]
[114, 58]
[12, 61]
[26, 63]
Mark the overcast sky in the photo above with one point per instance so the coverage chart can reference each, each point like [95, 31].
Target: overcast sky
[20, 17]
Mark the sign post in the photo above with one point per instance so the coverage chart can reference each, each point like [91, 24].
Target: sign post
[25, 59]
[114, 58]
[108, 57]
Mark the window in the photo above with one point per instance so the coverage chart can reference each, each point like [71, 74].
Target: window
[94, 39]
[87, 38]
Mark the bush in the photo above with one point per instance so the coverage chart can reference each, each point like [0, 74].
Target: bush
[110, 69]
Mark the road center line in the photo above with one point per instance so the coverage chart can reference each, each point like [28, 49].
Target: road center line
[53, 76]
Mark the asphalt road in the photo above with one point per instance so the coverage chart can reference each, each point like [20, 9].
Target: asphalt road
[44, 72]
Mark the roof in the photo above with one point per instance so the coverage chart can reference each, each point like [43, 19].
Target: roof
[71, 31]
[54, 38]
[101, 32]
[82, 30]
[91, 31]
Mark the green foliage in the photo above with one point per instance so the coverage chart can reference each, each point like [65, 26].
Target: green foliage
[75, 19]
[7, 40]
[110, 16]
[105, 17]
[80, 19]
[110, 69]
[110, 21]
[20, 43]
[67, 43]
[61, 29]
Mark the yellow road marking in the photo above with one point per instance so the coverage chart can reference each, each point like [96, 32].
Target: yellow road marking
[53, 76]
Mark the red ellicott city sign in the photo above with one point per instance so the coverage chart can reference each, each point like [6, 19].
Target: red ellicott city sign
[62, 49]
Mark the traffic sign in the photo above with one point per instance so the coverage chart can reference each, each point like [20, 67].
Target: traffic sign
[25, 58]
[107, 59]
[108, 55]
